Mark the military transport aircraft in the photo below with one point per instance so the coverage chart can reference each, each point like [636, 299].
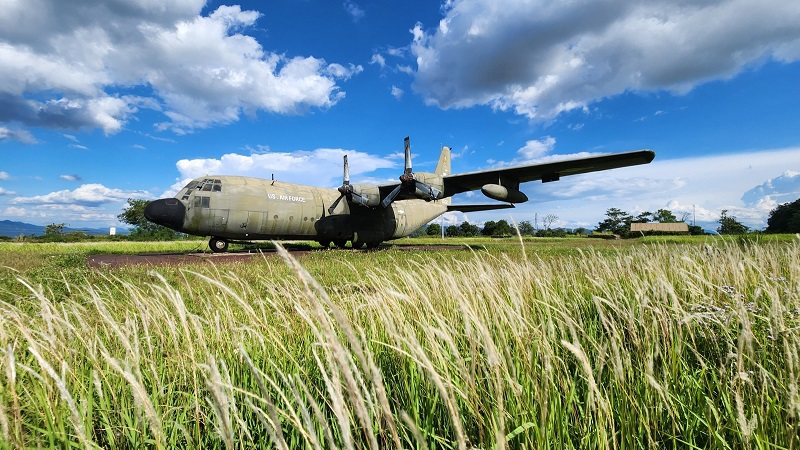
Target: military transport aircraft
[233, 208]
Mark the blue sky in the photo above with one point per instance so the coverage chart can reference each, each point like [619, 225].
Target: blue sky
[117, 99]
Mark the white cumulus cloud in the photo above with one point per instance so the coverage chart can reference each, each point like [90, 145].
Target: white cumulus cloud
[64, 65]
[8, 134]
[775, 191]
[354, 10]
[321, 167]
[539, 58]
[397, 92]
[87, 195]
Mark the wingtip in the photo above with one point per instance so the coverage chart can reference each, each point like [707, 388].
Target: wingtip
[646, 153]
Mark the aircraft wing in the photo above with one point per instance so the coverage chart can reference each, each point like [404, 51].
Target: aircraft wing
[550, 171]
[474, 208]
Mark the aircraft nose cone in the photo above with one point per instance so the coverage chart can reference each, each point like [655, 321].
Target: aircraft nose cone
[166, 211]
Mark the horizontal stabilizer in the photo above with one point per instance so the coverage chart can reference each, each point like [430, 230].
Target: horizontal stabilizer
[474, 208]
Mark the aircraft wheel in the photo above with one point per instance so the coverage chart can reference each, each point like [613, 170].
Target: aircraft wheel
[218, 245]
[340, 244]
[325, 244]
[357, 244]
[373, 244]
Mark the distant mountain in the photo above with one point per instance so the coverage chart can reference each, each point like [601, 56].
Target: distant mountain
[14, 229]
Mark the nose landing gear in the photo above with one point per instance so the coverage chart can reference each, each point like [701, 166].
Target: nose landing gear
[218, 245]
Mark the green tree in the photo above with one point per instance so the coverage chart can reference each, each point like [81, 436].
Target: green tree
[664, 216]
[729, 224]
[468, 229]
[133, 215]
[502, 228]
[551, 232]
[785, 218]
[696, 230]
[617, 221]
[452, 231]
[434, 229]
[488, 228]
[643, 217]
[54, 230]
[526, 228]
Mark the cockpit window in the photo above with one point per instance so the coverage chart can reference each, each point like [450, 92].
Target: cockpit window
[209, 185]
[187, 190]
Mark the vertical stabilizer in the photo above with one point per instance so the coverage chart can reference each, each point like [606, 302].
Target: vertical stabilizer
[443, 167]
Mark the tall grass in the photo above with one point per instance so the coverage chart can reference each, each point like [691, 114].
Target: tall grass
[675, 345]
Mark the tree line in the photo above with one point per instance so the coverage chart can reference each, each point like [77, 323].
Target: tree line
[784, 218]
[619, 222]
[499, 228]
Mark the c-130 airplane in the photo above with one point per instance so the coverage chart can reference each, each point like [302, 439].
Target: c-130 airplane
[236, 208]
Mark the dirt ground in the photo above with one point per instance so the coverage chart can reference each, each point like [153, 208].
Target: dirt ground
[166, 259]
[177, 259]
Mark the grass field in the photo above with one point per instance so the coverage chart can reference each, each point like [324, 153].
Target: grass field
[559, 343]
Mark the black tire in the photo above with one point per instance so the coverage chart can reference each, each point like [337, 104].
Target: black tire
[218, 245]
[357, 244]
[325, 244]
[340, 244]
[373, 244]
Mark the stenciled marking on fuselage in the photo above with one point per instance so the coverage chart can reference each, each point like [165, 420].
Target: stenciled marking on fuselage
[286, 198]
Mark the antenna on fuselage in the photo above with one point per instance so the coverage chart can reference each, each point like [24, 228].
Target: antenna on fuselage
[273, 179]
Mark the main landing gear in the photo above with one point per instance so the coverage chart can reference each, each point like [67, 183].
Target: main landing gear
[218, 245]
[353, 244]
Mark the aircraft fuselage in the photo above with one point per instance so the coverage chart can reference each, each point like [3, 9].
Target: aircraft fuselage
[244, 208]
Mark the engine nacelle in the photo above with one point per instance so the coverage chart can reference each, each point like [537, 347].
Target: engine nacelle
[504, 194]
[369, 192]
[433, 180]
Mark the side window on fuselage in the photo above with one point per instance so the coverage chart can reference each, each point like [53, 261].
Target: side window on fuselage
[202, 202]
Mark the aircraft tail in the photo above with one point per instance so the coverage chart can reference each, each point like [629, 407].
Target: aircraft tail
[443, 167]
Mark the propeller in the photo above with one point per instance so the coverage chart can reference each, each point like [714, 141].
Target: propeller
[346, 190]
[409, 183]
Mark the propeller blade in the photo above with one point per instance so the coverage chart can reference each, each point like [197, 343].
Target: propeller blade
[345, 189]
[334, 204]
[390, 198]
[357, 198]
[346, 178]
[407, 145]
[431, 192]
